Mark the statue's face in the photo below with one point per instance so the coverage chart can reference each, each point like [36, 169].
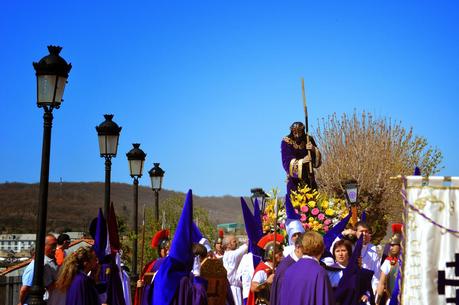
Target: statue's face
[297, 131]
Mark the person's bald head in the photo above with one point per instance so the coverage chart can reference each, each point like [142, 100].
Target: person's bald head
[50, 245]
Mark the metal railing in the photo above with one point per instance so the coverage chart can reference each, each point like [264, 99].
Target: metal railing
[9, 289]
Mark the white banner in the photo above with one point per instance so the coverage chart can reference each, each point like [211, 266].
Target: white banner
[428, 247]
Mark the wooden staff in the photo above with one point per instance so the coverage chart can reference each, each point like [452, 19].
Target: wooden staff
[276, 210]
[143, 237]
[140, 289]
[306, 125]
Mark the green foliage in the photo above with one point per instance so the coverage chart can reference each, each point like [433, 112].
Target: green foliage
[170, 210]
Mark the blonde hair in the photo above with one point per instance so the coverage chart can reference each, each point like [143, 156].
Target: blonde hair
[313, 243]
[72, 264]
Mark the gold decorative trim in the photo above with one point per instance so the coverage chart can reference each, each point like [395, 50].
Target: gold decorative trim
[295, 167]
[421, 202]
[300, 169]
[289, 141]
[432, 187]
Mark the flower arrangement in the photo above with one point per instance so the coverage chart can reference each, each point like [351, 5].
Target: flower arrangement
[317, 212]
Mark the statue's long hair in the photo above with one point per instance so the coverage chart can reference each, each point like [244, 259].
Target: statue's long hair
[73, 264]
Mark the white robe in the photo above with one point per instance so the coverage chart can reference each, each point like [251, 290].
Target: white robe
[231, 260]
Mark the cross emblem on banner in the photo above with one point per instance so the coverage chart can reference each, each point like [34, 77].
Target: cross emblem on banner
[443, 281]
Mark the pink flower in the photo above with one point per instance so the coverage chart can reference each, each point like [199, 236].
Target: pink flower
[325, 228]
[321, 216]
[303, 218]
[265, 217]
[315, 211]
[306, 226]
[282, 225]
[296, 211]
[327, 222]
[304, 209]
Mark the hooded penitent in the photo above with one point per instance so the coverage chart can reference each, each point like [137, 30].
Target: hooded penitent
[179, 263]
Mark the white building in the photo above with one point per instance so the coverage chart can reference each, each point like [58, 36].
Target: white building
[16, 242]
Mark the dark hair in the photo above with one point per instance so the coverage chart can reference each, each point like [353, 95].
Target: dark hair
[362, 224]
[62, 239]
[342, 242]
[199, 250]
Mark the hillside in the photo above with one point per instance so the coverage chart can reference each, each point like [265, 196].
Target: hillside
[71, 206]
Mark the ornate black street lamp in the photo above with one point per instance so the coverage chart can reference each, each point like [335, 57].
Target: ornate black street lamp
[108, 133]
[156, 176]
[259, 194]
[52, 72]
[136, 158]
[351, 193]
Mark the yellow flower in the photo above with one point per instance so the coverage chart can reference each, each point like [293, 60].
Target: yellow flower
[312, 204]
[315, 222]
[329, 212]
[324, 204]
[311, 219]
[309, 196]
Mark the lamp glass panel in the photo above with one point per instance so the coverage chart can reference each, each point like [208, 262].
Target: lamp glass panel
[156, 182]
[61, 81]
[135, 167]
[112, 144]
[45, 89]
[102, 146]
[352, 194]
[260, 199]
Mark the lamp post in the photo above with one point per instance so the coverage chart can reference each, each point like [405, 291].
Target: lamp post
[259, 194]
[108, 133]
[136, 158]
[351, 188]
[156, 176]
[52, 72]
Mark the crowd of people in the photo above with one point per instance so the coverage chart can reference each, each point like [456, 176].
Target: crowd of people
[342, 267]
[304, 271]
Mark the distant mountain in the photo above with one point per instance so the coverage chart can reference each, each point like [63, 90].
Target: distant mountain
[71, 206]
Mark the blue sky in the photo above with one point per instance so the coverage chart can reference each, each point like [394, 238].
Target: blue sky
[209, 88]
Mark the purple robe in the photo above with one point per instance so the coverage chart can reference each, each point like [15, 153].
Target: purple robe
[82, 291]
[148, 288]
[306, 282]
[276, 286]
[109, 274]
[291, 151]
[191, 291]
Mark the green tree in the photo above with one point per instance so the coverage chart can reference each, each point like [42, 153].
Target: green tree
[371, 150]
[170, 211]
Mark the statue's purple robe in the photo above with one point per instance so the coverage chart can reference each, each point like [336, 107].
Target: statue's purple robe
[82, 291]
[276, 286]
[290, 151]
[306, 282]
